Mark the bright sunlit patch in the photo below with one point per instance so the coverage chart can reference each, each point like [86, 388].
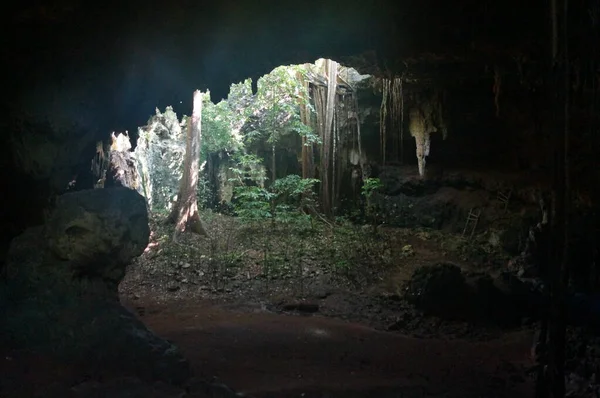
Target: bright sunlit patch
[150, 246]
[318, 332]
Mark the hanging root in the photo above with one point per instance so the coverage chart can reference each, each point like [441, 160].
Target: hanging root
[397, 116]
[401, 121]
[496, 89]
[386, 83]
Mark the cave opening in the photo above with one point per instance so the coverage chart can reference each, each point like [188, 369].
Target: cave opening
[430, 183]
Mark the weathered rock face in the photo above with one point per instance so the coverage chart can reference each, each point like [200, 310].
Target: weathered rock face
[159, 156]
[446, 291]
[99, 231]
[49, 152]
[122, 171]
[61, 289]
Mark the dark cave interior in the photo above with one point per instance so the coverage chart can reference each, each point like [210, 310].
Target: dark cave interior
[517, 78]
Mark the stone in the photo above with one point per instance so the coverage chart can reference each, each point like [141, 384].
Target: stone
[99, 231]
[60, 293]
[439, 289]
[302, 307]
[173, 287]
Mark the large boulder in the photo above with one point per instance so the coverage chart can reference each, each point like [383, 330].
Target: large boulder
[60, 296]
[446, 291]
[98, 231]
[439, 289]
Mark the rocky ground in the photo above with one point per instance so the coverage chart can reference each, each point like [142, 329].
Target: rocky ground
[356, 275]
[268, 310]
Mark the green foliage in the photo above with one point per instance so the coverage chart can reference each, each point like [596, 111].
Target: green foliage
[248, 170]
[293, 189]
[370, 186]
[253, 203]
[354, 252]
[252, 200]
[285, 199]
[293, 196]
[240, 98]
[217, 128]
[276, 107]
[205, 193]
[227, 127]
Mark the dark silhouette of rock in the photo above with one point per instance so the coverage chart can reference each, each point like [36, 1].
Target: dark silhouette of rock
[60, 292]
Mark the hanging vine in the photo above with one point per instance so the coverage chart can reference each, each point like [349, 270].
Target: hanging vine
[307, 147]
[397, 116]
[358, 138]
[392, 113]
[334, 138]
[385, 89]
[341, 120]
[497, 89]
[401, 122]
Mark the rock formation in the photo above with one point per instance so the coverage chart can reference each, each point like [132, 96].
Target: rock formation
[60, 294]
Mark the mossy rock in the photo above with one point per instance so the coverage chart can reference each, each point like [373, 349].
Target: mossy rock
[440, 290]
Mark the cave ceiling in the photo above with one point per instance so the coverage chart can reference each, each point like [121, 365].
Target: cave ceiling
[107, 68]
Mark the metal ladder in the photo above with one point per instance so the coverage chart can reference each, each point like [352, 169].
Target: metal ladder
[472, 220]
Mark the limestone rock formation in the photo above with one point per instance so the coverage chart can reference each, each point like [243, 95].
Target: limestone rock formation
[61, 289]
[98, 231]
[445, 290]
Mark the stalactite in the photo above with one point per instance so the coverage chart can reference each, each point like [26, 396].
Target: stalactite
[424, 119]
[419, 129]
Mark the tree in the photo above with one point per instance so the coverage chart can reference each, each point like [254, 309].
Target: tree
[218, 128]
[185, 212]
[277, 109]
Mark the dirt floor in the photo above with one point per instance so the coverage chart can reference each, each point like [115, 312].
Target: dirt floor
[342, 334]
[264, 354]
[273, 355]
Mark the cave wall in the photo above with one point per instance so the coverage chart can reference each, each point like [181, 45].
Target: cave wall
[477, 138]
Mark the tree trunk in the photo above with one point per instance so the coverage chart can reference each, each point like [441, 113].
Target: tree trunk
[273, 164]
[327, 136]
[185, 212]
[307, 168]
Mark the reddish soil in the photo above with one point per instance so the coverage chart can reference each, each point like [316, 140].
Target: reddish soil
[283, 356]
[269, 355]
